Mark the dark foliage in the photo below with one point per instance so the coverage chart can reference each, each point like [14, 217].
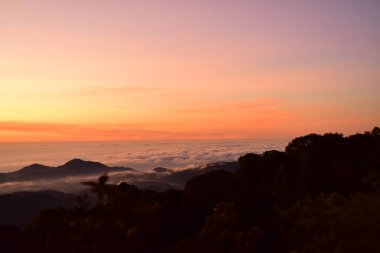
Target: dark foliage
[321, 195]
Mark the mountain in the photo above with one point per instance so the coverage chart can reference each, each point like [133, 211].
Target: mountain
[163, 179]
[83, 165]
[68, 177]
[155, 186]
[20, 207]
[179, 178]
[75, 167]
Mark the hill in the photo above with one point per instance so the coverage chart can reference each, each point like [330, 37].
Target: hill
[73, 168]
[18, 208]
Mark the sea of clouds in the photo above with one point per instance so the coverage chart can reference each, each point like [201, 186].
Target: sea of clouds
[139, 155]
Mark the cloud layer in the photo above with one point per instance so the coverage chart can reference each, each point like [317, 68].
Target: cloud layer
[139, 155]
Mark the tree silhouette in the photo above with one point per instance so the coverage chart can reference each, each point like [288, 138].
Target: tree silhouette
[100, 188]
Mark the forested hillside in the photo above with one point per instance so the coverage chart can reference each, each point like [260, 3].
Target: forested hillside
[321, 195]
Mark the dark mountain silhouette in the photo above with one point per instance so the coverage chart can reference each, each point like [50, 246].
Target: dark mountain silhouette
[155, 185]
[75, 167]
[160, 179]
[179, 178]
[163, 179]
[18, 208]
[82, 165]
[35, 168]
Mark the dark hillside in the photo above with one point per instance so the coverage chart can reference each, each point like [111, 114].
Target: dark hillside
[321, 195]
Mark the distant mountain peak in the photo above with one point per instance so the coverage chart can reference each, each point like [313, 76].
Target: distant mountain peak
[79, 163]
[35, 167]
[72, 168]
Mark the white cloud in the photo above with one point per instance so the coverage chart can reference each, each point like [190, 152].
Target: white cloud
[143, 156]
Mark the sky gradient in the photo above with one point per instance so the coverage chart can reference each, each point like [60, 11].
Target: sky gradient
[131, 70]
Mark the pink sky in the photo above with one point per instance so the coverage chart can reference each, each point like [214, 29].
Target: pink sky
[121, 70]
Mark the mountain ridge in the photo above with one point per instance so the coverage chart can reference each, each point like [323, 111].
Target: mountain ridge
[74, 167]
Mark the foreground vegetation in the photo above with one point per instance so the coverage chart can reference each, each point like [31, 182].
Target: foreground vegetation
[321, 195]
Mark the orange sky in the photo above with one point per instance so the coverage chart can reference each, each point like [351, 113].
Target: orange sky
[122, 70]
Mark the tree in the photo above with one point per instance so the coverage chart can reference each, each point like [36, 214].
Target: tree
[100, 188]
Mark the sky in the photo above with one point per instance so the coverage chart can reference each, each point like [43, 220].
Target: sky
[78, 70]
